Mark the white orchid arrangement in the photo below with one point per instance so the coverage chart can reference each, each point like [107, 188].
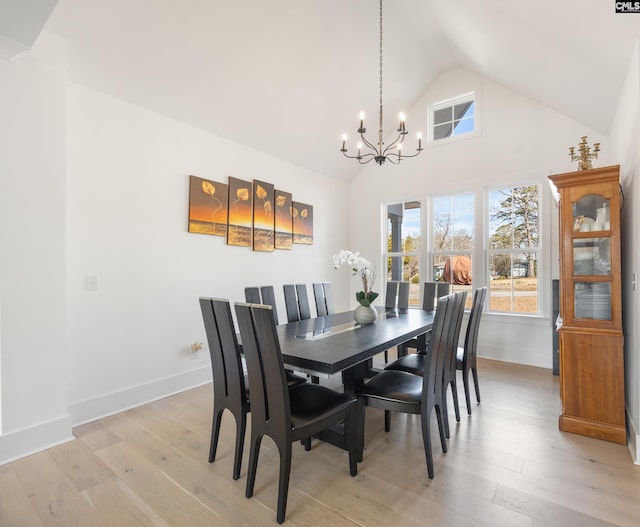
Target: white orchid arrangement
[362, 267]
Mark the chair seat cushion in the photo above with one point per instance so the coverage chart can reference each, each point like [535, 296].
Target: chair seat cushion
[310, 401]
[413, 363]
[393, 385]
[293, 379]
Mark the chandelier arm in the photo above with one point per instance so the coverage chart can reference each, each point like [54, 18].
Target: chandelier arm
[398, 141]
[370, 145]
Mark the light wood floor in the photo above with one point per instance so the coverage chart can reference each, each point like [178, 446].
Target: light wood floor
[507, 465]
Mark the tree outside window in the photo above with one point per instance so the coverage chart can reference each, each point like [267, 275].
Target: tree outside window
[514, 249]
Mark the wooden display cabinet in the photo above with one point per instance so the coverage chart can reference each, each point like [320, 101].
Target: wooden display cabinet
[590, 323]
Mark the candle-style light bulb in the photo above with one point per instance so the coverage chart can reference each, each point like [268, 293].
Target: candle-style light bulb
[419, 135]
[344, 140]
[359, 148]
[402, 119]
[361, 122]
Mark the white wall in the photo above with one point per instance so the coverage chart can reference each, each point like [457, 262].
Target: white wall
[33, 352]
[90, 185]
[127, 215]
[520, 140]
[625, 138]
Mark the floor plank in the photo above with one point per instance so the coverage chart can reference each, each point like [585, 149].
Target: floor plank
[507, 465]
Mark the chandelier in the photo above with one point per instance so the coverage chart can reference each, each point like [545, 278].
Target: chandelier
[378, 151]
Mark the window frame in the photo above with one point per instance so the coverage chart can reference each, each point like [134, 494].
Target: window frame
[489, 252]
[472, 96]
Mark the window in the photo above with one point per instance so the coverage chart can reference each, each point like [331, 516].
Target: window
[453, 117]
[452, 241]
[403, 246]
[514, 249]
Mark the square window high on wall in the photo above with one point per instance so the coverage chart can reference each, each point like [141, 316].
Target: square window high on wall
[453, 118]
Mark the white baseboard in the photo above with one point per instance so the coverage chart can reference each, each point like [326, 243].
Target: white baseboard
[98, 407]
[22, 443]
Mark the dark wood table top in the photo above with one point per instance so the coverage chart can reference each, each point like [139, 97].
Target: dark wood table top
[334, 343]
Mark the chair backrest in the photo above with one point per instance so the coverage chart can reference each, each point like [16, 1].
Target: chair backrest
[269, 298]
[432, 291]
[252, 295]
[328, 297]
[321, 303]
[460, 300]
[303, 302]
[391, 295]
[433, 370]
[270, 405]
[226, 365]
[291, 303]
[403, 295]
[473, 326]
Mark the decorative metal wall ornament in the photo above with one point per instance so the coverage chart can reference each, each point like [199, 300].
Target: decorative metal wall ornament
[379, 152]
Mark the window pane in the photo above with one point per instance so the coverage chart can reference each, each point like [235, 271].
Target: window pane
[442, 116]
[441, 131]
[463, 110]
[443, 224]
[463, 222]
[463, 126]
[406, 269]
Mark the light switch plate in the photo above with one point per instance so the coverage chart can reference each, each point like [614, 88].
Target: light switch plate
[91, 283]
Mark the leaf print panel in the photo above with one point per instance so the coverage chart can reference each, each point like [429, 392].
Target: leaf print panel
[263, 216]
[208, 201]
[284, 220]
[302, 222]
[240, 212]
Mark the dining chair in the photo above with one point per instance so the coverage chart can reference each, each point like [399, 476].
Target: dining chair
[252, 295]
[450, 375]
[391, 295]
[415, 363]
[328, 297]
[400, 391]
[431, 292]
[229, 390]
[285, 415]
[466, 355]
[269, 298]
[318, 295]
[303, 301]
[403, 295]
[291, 303]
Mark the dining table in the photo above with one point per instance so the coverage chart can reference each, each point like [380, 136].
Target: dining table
[336, 343]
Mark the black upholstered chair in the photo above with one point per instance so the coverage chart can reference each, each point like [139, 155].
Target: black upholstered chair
[400, 391]
[291, 303]
[415, 363]
[328, 297]
[269, 298]
[397, 296]
[466, 355]
[431, 292]
[285, 415]
[252, 295]
[230, 386]
[323, 296]
[303, 301]
[229, 390]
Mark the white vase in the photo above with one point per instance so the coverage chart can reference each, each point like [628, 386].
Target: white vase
[365, 315]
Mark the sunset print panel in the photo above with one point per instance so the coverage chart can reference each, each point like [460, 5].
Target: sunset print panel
[240, 212]
[207, 206]
[302, 223]
[263, 216]
[284, 220]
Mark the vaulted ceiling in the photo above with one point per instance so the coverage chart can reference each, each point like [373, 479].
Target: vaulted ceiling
[288, 77]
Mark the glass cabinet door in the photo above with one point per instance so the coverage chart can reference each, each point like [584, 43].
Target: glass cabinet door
[592, 300]
[591, 213]
[592, 256]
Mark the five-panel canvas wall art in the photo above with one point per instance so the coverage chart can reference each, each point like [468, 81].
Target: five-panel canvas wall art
[249, 213]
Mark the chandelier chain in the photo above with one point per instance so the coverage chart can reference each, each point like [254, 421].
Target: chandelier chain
[377, 150]
[380, 53]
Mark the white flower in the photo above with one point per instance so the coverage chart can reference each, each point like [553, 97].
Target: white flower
[361, 266]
